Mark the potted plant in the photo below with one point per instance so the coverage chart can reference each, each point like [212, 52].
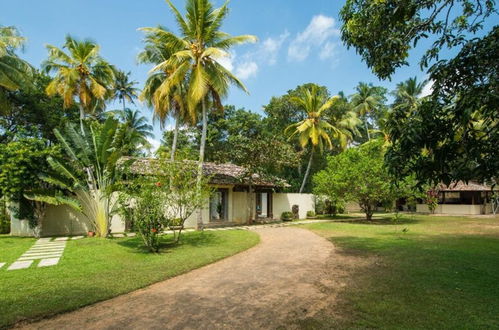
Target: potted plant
[91, 233]
[287, 216]
[311, 215]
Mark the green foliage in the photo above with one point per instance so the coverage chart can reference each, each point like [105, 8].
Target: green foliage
[287, 216]
[358, 174]
[160, 200]
[14, 72]
[383, 32]
[310, 214]
[454, 134]
[88, 170]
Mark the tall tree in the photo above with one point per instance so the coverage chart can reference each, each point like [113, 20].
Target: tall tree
[365, 101]
[137, 131]
[164, 103]
[80, 73]
[14, 72]
[123, 88]
[201, 43]
[316, 131]
[408, 94]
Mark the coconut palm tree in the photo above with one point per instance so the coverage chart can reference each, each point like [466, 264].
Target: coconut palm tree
[137, 130]
[123, 88]
[365, 101]
[408, 95]
[315, 130]
[194, 59]
[80, 73]
[169, 103]
[14, 72]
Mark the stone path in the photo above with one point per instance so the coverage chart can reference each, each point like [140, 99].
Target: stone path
[279, 280]
[48, 251]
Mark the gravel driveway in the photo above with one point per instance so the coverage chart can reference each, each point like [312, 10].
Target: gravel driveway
[280, 280]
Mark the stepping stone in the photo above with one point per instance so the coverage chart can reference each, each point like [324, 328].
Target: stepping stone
[40, 256]
[131, 234]
[48, 262]
[118, 235]
[61, 238]
[76, 237]
[46, 249]
[45, 239]
[2, 264]
[20, 265]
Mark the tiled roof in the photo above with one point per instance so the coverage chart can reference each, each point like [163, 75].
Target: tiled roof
[462, 186]
[218, 173]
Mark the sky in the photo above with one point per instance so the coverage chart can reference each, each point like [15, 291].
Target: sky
[299, 42]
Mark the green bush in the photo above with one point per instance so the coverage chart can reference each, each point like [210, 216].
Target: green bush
[4, 218]
[310, 214]
[287, 216]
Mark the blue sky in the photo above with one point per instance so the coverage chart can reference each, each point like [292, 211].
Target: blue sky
[299, 41]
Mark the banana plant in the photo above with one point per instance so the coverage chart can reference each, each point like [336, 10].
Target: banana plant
[88, 172]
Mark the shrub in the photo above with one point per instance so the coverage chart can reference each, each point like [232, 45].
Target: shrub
[310, 214]
[287, 216]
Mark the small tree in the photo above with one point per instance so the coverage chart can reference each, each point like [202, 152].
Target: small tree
[358, 174]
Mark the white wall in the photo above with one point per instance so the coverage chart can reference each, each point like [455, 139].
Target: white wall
[457, 209]
[283, 202]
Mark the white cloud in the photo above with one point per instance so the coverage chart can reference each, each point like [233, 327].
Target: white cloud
[155, 144]
[427, 89]
[327, 50]
[317, 34]
[270, 48]
[227, 61]
[246, 70]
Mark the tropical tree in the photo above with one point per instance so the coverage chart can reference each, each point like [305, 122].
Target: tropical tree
[169, 103]
[80, 73]
[408, 95]
[365, 101]
[194, 60]
[123, 88]
[137, 130]
[14, 71]
[88, 171]
[315, 130]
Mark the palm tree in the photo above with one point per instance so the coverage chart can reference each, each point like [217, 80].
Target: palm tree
[194, 59]
[88, 171]
[137, 130]
[80, 73]
[14, 72]
[365, 101]
[171, 102]
[315, 130]
[408, 95]
[123, 88]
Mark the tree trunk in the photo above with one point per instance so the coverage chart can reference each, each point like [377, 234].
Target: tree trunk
[175, 137]
[250, 202]
[367, 131]
[82, 117]
[307, 172]
[124, 107]
[201, 160]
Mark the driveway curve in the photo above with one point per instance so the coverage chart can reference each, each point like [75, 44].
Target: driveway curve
[279, 280]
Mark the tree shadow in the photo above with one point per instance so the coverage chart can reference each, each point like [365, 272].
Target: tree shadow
[167, 243]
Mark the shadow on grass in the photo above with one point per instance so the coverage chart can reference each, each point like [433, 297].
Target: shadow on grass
[386, 220]
[444, 281]
[167, 244]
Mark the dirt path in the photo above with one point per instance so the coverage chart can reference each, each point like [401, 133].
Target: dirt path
[279, 280]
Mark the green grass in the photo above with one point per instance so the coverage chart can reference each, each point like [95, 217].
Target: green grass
[93, 269]
[442, 272]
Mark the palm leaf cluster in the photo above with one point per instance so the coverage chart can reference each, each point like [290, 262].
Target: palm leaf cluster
[88, 171]
[123, 88]
[14, 72]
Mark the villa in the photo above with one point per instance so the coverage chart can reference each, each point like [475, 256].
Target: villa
[227, 206]
[462, 198]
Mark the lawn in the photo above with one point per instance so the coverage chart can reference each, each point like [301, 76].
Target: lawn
[93, 269]
[423, 272]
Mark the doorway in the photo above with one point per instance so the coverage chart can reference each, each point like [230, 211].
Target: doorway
[264, 204]
[219, 202]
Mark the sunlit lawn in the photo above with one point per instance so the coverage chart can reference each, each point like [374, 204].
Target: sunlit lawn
[93, 269]
[423, 272]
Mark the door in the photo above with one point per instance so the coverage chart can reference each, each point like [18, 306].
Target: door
[219, 205]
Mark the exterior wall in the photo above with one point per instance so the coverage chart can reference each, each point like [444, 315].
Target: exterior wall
[240, 207]
[283, 202]
[456, 209]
